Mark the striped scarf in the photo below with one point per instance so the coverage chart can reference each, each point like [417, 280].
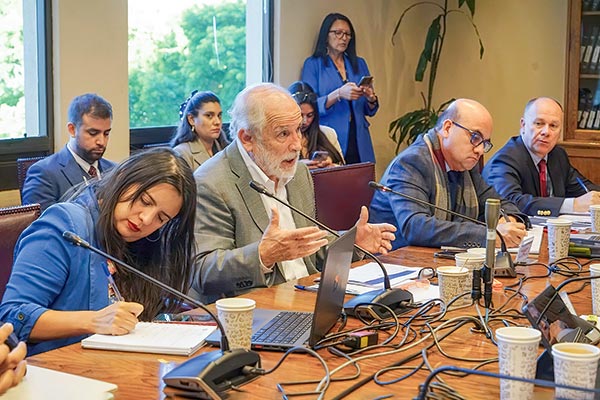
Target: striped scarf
[466, 197]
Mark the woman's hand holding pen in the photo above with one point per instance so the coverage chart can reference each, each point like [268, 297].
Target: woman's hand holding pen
[117, 319]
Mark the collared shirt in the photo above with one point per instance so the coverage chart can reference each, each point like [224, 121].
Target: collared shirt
[292, 269]
[567, 205]
[84, 164]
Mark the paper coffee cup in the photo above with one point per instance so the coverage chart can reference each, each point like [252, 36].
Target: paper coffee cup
[595, 217]
[594, 271]
[517, 353]
[559, 233]
[575, 364]
[470, 261]
[236, 316]
[452, 282]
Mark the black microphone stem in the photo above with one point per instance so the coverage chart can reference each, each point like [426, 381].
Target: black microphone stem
[261, 189]
[76, 240]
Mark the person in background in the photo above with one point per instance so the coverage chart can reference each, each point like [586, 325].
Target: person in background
[315, 137]
[534, 173]
[199, 135]
[12, 362]
[441, 167]
[90, 123]
[141, 212]
[244, 239]
[334, 72]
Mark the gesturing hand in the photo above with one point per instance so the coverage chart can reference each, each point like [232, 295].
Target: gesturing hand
[376, 238]
[117, 319]
[279, 244]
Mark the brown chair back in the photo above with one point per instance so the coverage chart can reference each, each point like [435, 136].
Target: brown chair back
[341, 191]
[13, 220]
[23, 165]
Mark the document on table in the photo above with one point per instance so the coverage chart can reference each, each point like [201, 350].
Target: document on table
[47, 384]
[537, 231]
[152, 337]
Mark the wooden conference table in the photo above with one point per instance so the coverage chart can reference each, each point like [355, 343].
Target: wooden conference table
[138, 375]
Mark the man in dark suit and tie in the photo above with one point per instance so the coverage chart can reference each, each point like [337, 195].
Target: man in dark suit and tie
[534, 173]
[90, 123]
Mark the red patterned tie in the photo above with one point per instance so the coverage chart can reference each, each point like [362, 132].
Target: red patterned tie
[543, 181]
[92, 171]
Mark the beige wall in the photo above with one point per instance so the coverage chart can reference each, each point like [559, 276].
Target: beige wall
[525, 45]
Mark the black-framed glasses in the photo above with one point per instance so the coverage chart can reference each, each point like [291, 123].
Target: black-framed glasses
[476, 138]
[304, 97]
[340, 34]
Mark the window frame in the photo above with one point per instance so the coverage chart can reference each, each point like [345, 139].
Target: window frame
[11, 149]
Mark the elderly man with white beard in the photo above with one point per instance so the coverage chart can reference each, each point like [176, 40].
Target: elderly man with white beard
[244, 239]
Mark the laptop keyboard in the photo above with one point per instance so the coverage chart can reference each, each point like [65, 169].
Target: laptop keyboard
[285, 328]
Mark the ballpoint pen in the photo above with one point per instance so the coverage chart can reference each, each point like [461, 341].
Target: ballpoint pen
[582, 184]
[113, 291]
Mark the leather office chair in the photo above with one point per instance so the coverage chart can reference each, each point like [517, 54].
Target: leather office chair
[23, 165]
[341, 191]
[13, 220]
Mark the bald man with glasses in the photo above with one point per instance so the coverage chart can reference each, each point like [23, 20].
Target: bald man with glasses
[441, 167]
[535, 173]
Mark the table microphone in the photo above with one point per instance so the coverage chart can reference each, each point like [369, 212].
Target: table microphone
[394, 298]
[492, 213]
[504, 265]
[211, 372]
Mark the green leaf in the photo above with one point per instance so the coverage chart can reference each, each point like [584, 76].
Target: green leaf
[430, 41]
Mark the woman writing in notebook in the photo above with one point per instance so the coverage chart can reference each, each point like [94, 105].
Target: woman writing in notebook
[344, 99]
[141, 212]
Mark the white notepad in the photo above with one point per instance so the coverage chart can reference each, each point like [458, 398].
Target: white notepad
[46, 384]
[150, 337]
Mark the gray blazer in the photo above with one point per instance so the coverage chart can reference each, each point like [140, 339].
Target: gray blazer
[194, 153]
[49, 179]
[230, 221]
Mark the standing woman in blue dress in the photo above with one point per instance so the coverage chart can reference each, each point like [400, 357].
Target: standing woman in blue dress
[334, 72]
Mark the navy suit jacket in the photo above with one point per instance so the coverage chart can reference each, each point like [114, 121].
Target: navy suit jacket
[49, 179]
[412, 173]
[514, 175]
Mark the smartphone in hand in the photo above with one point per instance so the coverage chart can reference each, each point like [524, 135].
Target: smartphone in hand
[365, 81]
[319, 156]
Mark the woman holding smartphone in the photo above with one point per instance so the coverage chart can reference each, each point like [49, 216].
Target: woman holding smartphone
[335, 72]
[142, 212]
[320, 146]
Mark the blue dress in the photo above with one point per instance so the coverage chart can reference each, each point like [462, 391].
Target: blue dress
[323, 77]
[50, 273]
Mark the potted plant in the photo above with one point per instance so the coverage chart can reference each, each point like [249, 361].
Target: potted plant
[407, 127]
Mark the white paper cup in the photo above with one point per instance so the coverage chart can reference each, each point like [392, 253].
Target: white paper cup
[471, 261]
[575, 364]
[236, 316]
[595, 217]
[559, 233]
[517, 353]
[452, 282]
[595, 270]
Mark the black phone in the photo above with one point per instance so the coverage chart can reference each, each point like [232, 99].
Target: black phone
[183, 318]
[319, 155]
[449, 254]
[365, 80]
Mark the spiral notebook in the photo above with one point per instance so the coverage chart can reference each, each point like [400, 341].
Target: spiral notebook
[152, 337]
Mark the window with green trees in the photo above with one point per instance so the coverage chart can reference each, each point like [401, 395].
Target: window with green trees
[178, 46]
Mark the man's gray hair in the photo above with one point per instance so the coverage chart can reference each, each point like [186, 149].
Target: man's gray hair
[248, 111]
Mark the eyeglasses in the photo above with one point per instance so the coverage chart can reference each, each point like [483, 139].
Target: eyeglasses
[476, 138]
[340, 34]
[303, 97]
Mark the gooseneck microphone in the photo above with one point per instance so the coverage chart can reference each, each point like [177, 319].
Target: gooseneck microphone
[396, 299]
[492, 214]
[212, 372]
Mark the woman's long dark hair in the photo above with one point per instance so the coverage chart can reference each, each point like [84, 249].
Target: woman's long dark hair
[168, 255]
[191, 106]
[303, 93]
[321, 47]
